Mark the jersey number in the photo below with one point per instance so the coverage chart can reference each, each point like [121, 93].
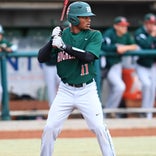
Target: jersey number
[84, 70]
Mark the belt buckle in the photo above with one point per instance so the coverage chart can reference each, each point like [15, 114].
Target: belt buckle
[78, 85]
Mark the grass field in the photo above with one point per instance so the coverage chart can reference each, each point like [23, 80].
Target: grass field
[124, 146]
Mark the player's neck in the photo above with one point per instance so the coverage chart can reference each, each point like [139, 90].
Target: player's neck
[75, 29]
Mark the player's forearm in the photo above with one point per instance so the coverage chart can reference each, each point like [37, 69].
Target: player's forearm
[84, 56]
[44, 52]
[121, 49]
[109, 48]
[133, 47]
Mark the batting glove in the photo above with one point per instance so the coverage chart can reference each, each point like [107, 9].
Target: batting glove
[56, 31]
[58, 42]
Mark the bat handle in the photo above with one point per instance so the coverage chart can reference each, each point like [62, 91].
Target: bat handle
[66, 2]
[63, 12]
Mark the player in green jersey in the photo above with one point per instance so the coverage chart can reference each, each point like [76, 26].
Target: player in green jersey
[77, 47]
[117, 40]
[5, 46]
[145, 64]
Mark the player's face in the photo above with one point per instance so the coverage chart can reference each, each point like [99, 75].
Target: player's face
[150, 27]
[120, 30]
[85, 23]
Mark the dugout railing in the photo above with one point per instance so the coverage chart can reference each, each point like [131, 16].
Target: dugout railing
[5, 111]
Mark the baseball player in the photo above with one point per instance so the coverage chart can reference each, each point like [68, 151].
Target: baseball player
[116, 39]
[5, 46]
[76, 49]
[145, 64]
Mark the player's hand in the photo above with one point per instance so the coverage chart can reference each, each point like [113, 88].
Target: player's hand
[121, 49]
[56, 31]
[58, 42]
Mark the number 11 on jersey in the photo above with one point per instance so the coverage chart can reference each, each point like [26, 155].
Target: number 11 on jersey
[84, 69]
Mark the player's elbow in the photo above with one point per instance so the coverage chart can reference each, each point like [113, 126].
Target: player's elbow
[39, 57]
[44, 53]
[89, 57]
[40, 60]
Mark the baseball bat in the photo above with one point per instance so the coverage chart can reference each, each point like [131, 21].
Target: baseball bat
[64, 10]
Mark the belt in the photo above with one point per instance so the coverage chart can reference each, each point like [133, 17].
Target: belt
[81, 84]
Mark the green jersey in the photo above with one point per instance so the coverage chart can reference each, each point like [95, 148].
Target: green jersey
[145, 41]
[72, 70]
[4, 43]
[110, 41]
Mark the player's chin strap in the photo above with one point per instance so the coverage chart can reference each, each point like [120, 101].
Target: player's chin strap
[84, 56]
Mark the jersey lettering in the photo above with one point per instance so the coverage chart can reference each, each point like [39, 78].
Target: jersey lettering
[84, 70]
[64, 56]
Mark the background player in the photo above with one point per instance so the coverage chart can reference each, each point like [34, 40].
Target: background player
[76, 51]
[116, 39]
[5, 46]
[145, 38]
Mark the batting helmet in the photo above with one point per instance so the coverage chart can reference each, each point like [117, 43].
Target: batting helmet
[1, 30]
[78, 9]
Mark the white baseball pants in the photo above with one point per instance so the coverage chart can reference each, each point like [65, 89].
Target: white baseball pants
[1, 91]
[147, 78]
[116, 86]
[52, 81]
[87, 101]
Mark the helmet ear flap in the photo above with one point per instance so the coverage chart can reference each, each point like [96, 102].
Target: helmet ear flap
[74, 20]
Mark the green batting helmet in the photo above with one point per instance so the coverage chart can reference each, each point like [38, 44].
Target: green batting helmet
[78, 9]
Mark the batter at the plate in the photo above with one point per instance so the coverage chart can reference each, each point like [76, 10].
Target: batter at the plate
[77, 47]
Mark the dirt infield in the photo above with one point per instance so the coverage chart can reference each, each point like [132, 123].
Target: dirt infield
[77, 133]
[73, 127]
[78, 128]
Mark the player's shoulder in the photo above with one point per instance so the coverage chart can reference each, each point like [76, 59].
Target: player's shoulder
[66, 30]
[109, 32]
[95, 33]
[139, 30]
[5, 41]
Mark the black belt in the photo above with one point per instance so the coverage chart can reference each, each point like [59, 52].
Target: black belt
[81, 84]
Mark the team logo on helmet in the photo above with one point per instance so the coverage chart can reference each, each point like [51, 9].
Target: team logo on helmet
[88, 9]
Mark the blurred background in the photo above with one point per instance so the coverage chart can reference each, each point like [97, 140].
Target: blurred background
[28, 24]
